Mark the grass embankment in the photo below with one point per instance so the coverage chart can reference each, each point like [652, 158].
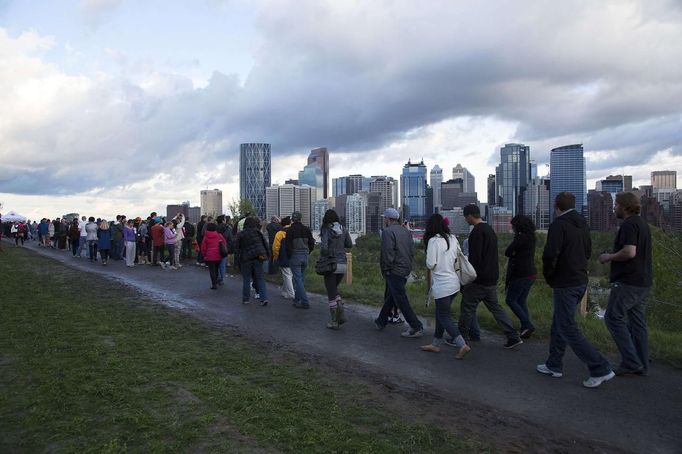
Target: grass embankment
[89, 366]
[664, 306]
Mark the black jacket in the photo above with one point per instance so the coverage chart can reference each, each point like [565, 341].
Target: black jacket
[251, 244]
[483, 254]
[299, 239]
[521, 253]
[564, 260]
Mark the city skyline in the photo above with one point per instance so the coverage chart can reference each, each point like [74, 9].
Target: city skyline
[119, 106]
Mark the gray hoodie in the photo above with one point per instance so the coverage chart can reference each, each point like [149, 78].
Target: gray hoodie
[334, 240]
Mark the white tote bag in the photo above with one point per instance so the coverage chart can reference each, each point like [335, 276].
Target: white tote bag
[464, 269]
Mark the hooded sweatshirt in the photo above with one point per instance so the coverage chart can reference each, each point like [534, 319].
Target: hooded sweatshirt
[567, 250]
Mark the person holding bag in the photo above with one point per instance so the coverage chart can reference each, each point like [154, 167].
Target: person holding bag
[441, 256]
[252, 249]
[332, 263]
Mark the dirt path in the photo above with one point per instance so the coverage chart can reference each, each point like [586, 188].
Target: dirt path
[494, 394]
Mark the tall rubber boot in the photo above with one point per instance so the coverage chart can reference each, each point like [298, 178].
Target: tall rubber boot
[341, 315]
[334, 322]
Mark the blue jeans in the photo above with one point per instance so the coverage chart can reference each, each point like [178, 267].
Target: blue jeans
[517, 295]
[394, 294]
[565, 332]
[444, 318]
[626, 320]
[255, 267]
[221, 269]
[117, 249]
[82, 245]
[298, 263]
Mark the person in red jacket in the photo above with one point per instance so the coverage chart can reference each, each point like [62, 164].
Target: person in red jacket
[158, 241]
[210, 250]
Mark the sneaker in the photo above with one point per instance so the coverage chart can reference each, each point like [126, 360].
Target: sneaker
[543, 369]
[626, 371]
[511, 343]
[412, 333]
[398, 320]
[301, 306]
[594, 382]
[463, 350]
[264, 303]
[214, 288]
[526, 333]
[378, 325]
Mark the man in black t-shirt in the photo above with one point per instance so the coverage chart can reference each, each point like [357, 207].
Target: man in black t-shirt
[483, 257]
[631, 281]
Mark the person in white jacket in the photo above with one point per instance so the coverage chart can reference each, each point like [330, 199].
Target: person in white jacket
[179, 236]
[441, 255]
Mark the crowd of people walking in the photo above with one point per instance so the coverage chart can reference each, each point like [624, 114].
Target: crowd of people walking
[284, 245]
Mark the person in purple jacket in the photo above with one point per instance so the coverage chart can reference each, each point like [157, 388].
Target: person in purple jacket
[170, 238]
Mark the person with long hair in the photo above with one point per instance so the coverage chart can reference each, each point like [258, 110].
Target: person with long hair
[104, 240]
[253, 250]
[521, 271]
[334, 242]
[441, 256]
[210, 250]
[91, 238]
[74, 235]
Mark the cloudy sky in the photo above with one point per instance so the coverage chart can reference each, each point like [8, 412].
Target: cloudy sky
[115, 106]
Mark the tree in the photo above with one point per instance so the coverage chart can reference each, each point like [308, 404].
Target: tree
[240, 208]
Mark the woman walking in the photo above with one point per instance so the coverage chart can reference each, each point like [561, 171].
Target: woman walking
[252, 249]
[521, 271]
[279, 255]
[130, 241]
[74, 236]
[441, 256]
[170, 235]
[334, 242]
[104, 241]
[141, 236]
[210, 250]
[91, 238]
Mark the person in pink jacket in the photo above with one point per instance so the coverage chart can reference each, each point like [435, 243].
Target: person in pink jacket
[210, 250]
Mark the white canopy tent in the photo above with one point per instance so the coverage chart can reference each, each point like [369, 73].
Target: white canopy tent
[13, 216]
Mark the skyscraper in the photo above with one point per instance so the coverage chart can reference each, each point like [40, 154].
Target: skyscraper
[536, 203]
[320, 158]
[467, 178]
[356, 207]
[282, 200]
[388, 188]
[211, 202]
[254, 174]
[413, 191]
[312, 176]
[513, 176]
[567, 174]
[600, 211]
[435, 180]
[492, 191]
[664, 179]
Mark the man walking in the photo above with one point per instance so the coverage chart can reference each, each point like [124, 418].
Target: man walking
[299, 244]
[483, 257]
[631, 281]
[397, 250]
[565, 269]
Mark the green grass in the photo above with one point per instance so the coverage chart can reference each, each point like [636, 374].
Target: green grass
[88, 366]
[664, 307]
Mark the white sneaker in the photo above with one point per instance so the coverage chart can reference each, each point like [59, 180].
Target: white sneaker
[411, 333]
[594, 382]
[543, 369]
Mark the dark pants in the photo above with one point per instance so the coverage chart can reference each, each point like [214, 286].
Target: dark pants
[626, 320]
[565, 332]
[444, 318]
[92, 250]
[213, 271]
[517, 295]
[171, 253]
[186, 250]
[472, 295]
[116, 249]
[74, 246]
[394, 293]
[158, 254]
[19, 238]
[104, 253]
[255, 267]
[331, 283]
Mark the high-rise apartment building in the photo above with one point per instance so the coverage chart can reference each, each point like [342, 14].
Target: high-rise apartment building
[492, 191]
[600, 211]
[664, 179]
[356, 207]
[320, 207]
[211, 202]
[536, 203]
[173, 210]
[436, 178]
[512, 176]
[413, 191]
[388, 188]
[320, 158]
[312, 176]
[282, 200]
[567, 174]
[468, 179]
[254, 174]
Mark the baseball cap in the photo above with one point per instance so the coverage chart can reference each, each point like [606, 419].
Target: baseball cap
[391, 213]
